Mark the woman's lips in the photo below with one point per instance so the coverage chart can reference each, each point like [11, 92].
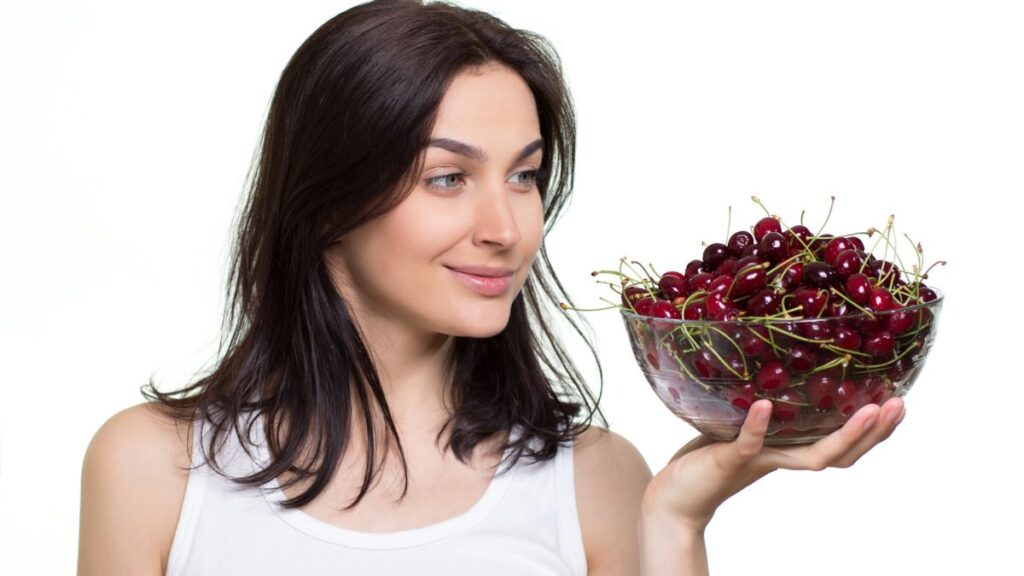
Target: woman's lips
[486, 285]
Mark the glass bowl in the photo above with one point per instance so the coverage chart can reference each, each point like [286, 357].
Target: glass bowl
[709, 372]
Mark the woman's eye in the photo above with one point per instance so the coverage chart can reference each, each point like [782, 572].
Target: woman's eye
[445, 181]
[531, 177]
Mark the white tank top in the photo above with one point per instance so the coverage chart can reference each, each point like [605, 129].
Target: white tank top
[525, 523]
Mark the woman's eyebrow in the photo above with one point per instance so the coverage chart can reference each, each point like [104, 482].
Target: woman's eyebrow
[474, 153]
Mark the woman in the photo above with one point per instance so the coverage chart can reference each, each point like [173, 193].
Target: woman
[388, 346]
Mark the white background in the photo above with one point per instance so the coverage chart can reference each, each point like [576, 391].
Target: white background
[126, 129]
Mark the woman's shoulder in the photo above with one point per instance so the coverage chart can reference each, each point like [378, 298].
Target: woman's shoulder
[610, 476]
[134, 476]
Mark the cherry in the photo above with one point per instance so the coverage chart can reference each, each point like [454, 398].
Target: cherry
[835, 247]
[631, 294]
[772, 376]
[728, 267]
[881, 299]
[928, 295]
[694, 310]
[819, 275]
[766, 225]
[748, 281]
[740, 240]
[672, 285]
[720, 284]
[847, 263]
[714, 254]
[811, 301]
[872, 390]
[715, 304]
[741, 396]
[664, 309]
[643, 306]
[800, 359]
[857, 242]
[869, 325]
[793, 276]
[847, 338]
[815, 330]
[846, 398]
[773, 247]
[799, 231]
[899, 322]
[858, 288]
[819, 243]
[753, 346]
[822, 390]
[764, 303]
[694, 267]
[782, 411]
[705, 363]
[878, 345]
[885, 271]
[699, 282]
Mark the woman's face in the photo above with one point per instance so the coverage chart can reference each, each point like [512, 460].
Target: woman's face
[476, 204]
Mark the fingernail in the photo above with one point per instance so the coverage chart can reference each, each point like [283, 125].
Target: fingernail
[893, 416]
[870, 421]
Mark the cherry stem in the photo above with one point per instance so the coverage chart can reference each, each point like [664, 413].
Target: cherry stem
[888, 362]
[827, 216]
[852, 303]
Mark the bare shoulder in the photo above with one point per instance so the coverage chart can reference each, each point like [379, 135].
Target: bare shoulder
[611, 476]
[134, 476]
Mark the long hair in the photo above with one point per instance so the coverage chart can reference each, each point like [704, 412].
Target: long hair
[341, 145]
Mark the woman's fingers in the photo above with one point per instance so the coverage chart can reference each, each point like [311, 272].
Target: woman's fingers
[829, 449]
[889, 417]
[751, 438]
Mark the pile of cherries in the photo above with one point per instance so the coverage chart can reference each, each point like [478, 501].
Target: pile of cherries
[813, 321]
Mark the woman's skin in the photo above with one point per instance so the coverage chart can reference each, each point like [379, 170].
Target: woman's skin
[464, 211]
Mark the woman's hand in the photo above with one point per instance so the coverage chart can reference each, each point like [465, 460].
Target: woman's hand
[704, 473]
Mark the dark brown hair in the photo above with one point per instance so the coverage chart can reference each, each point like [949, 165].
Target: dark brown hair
[342, 143]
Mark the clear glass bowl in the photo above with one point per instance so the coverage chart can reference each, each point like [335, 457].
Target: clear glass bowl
[709, 372]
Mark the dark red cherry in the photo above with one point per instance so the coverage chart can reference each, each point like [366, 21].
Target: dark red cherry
[631, 294]
[705, 364]
[818, 244]
[773, 247]
[643, 305]
[879, 345]
[764, 303]
[772, 376]
[728, 267]
[766, 225]
[819, 275]
[752, 345]
[799, 231]
[928, 295]
[885, 271]
[793, 276]
[694, 310]
[847, 264]
[716, 303]
[748, 281]
[665, 309]
[671, 285]
[899, 322]
[881, 299]
[835, 247]
[858, 288]
[847, 338]
[741, 396]
[800, 359]
[818, 330]
[872, 390]
[821, 391]
[693, 268]
[846, 398]
[699, 282]
[785, 406]
[720, 284]
[714, 254]
[739, 241]
[811, 301]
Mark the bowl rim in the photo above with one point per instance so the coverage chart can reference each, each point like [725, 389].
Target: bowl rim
[939, 299]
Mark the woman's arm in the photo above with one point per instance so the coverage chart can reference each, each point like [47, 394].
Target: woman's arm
[131, 495]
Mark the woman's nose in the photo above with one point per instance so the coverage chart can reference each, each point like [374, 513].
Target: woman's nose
[496, 216]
